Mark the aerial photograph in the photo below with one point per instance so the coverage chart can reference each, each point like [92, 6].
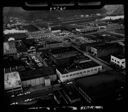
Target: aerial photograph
[64, 58]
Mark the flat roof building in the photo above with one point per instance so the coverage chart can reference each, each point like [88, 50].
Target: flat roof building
[106, 49]
[77, 69]
[118, 60]
[53, 44]
[38, 76]
[63, 55]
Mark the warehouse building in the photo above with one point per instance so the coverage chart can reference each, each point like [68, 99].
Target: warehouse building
[53, 44]
[63, 55]
[87, 46]
[106, 49]
[77, 69]
[118, 60]
[43, 76]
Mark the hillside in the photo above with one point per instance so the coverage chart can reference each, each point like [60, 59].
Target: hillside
[114, 9]
[53, 15]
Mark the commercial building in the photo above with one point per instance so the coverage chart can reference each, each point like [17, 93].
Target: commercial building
[118, 60]
[77, 69]
[44, 75]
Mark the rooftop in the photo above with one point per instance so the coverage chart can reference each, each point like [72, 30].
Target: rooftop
[31, 28]
[53, 42]
[62, 50]
[17, 36]
[10, 62]
[31, 74]
[107, 46]
[120, 56]
[75, 66]
[65, 55]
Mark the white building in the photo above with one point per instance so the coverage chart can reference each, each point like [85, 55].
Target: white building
[12, 82]
[118, 60]
[79, 70]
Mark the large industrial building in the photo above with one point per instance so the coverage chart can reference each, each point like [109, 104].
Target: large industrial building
[63, 55]
[53, 44]
[78, 69]
[15, 81]
[106, 49]
[72, 64]
[38, 77]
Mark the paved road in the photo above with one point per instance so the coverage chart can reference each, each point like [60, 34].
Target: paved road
[91, 33]
[104, 64]
[114, 33]
[36, 94]
[116, 41]
[95, 59]
[37, 26]
[121, 43]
